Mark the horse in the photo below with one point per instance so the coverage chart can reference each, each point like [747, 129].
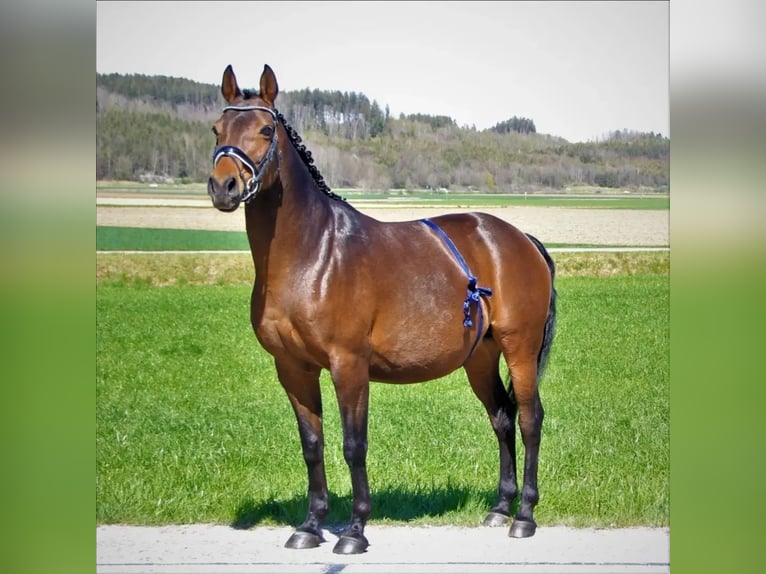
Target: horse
[391, 302]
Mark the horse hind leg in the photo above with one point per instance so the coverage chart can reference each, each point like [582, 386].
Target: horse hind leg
[483, 371]
[525, 389]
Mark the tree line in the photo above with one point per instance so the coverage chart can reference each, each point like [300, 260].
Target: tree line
[518, 125]
[160, 127]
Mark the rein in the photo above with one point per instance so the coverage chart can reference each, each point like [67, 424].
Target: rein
[252, 186]
[474, 292]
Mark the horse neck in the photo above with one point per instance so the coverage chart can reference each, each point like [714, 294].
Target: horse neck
[288, 219]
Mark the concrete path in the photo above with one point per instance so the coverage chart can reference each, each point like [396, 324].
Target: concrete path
[198, 549]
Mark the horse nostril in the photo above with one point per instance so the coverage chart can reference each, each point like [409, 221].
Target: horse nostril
[230, 184]
[225, 192]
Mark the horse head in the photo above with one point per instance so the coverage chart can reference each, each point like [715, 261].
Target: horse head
[245, 159]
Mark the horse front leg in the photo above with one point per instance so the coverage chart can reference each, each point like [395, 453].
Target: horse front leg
[352, 387]
[302, 387]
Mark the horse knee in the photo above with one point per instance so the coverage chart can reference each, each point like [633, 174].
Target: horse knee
[355, 451]
[312, 448]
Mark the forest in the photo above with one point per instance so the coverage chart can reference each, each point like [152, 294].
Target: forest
[158, 128]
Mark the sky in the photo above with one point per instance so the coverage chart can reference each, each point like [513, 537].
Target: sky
[579, 70]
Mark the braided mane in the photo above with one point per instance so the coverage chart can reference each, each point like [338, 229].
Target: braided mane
[304, 154]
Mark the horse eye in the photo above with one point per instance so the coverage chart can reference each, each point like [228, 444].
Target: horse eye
[267, 131]
[215, 131]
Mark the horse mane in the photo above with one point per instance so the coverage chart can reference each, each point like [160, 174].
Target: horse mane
[303, 153]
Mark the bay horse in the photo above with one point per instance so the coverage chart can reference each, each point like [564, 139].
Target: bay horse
[394, 302]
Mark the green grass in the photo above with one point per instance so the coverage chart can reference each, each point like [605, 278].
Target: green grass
[147, 268]
[193, 426]
[159, 239]
[582, 197]
[611, 201]
[150, 239]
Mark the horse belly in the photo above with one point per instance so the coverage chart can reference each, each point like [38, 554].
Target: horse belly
[418, 351]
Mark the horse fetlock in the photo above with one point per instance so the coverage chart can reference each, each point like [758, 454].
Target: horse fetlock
[319, 510]
[530, 495]
[362, 511]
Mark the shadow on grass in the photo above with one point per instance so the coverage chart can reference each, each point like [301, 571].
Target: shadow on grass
[393, 504]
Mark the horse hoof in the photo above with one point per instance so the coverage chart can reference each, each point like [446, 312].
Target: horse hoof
[351, 545]
[495, 519]
[522, 528]
[301, 539]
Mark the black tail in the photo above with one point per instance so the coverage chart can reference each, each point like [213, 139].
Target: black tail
[550, 321]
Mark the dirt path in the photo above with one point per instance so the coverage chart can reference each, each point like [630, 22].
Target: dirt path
[443, 550]
[550, 224]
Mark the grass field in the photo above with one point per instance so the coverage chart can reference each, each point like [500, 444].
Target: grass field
[153, 269]
[585, 197]
[192, 425]
[611, 201]
[148, 239]
[112, 238]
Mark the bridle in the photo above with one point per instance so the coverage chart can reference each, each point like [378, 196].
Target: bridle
[252, 186]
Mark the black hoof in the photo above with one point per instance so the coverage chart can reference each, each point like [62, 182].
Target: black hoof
[496, 519]
[522, 528]
[351, 545]
[301, 539]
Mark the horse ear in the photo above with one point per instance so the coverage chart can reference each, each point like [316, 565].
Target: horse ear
[229, 87]
[269, 87]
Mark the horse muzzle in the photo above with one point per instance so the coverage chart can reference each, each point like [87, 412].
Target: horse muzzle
[225, 194]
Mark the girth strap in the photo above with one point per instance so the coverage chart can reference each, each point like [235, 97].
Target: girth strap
[474, 292]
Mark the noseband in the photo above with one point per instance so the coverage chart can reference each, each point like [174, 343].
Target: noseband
[253, 185]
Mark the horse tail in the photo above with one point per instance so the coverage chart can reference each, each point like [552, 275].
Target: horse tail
[550, 321]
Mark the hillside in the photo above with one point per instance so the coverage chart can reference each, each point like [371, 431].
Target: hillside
[158, 127]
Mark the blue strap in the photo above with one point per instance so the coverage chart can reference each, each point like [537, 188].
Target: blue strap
[474, 292]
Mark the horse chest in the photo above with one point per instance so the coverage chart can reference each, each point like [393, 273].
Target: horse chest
[292, 329]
